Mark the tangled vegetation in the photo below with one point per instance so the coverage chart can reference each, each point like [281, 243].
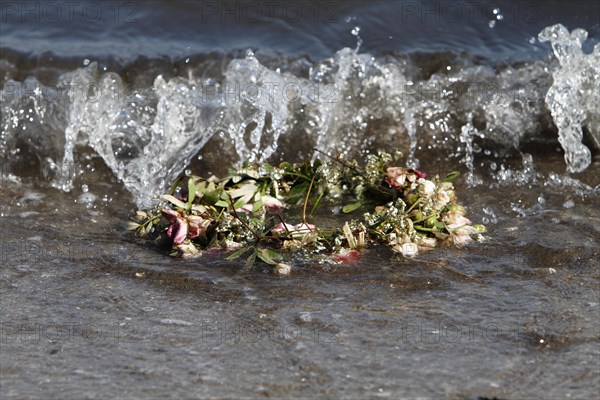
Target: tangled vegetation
[265, 212]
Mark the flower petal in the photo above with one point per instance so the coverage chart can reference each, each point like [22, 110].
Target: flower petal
[283, 229]
[272, 204]
[418, 173]
[170, 215]
[181, 225]
[346, 255]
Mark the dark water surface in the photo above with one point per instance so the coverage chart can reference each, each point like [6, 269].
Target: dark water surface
[104, 103]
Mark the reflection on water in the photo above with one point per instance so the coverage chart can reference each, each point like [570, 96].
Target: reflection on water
[518, 312]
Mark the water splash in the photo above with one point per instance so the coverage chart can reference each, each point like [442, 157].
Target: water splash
[575, 93]
[267, 110]
[523, 176]
[259, 103]
[356, 32]
[467, 133]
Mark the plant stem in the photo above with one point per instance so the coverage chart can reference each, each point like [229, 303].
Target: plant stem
[312, 181]
[317, 203]
[236, 216]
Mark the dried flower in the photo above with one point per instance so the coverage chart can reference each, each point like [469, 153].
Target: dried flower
[461, 237]
[441, 198]
[396, 176]
[346, 255]
[246, 209]
[184, 226]
[354, 243]
[282, 269]
[403, 245]
[179, 226]
[419, 174]
[427, 187]
[460, 228]
[455, 220]
[283, 229]
[302, 231]
[186, 249]
[197, 226]
[271, 204]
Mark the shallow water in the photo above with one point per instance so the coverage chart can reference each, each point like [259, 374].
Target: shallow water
[89, 311]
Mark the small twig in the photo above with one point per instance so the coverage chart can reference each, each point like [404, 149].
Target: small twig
[359, 173]
[424, 218]
[413, 205]
[284, 225]
[277, 238]
[236, 216]
[336, 159]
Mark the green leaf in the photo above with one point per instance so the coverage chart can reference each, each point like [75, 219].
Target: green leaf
[240, 203]
[257, 205]
[298, 192]
[243, 191]
[146, 231]
[132, 226]
[251, 173]
[191, 192]
[174, 200]
[348, 208]
[222, 204]
[213, 196]
[250, 260]
[451, 176]
[199, 208]
[248, 193]
[269, 256]
[238, 253]
[200, 187]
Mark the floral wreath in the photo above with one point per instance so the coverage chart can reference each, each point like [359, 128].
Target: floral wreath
[247, 211]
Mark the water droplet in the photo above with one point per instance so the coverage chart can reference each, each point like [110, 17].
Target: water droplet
[355, 31]
[85, 188]
[492, 23]
[86, 62]
[541, 199]
[569, 204]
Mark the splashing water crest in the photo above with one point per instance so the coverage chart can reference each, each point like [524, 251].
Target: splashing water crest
[345, 104]
[575, 94]
[467, 132]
